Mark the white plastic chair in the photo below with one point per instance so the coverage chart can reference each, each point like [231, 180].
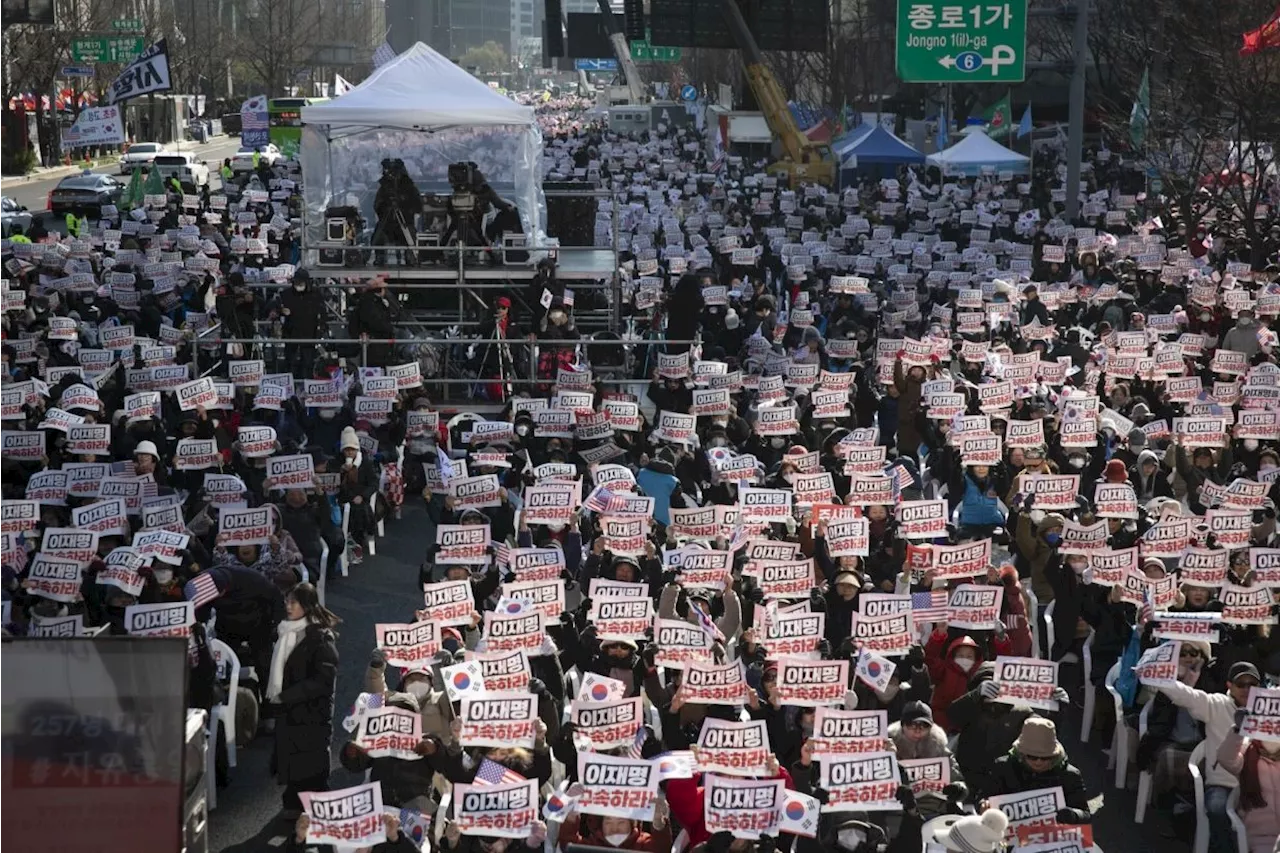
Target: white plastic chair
[1144, 776]
[225, 713]
[1049, 632]
[1090, 690]
[1120, 737]
[1237, 822]
[1201, 842]
[1032, 606]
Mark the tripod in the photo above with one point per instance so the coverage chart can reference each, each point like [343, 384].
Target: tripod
[396, 227]
[506, 366]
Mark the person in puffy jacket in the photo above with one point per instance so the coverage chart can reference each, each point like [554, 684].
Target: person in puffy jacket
[988, 729]
[1037, 542]
[950, 670]
[405, 782]
[1038, 761]
[977, 488]
[618, 832]
[1256, 763]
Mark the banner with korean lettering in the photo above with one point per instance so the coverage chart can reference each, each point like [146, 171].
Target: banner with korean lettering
[1262, 715]
[1246, 605]
[715, 684]
[1026, 681]
[927, 775]
[791, 633]
[838, 732]
[515, 625]
[462, 544]
[616, 786]
[171, 619]
[499, 719]
[449, 602]
[507, 671]
[621, 619]
[351, 817]
[501, 811]
[1158, 667]
[745, 808]
[409, 646]
[1038, 807]
[975, 607]
[680, 642]
[802, 681]
[389, 732]
[54, 578]
[1196, 627]
[733, 748]
[866, 783]
[608, 724]
[922, 519]
[537, 564]
[245, 526]
[94, 126]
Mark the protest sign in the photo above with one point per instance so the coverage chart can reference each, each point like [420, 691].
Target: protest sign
[803, 681]
[171, 619]
[1051, 491]
[733, 748]
[848, 537]
[786, 580]
[680, 642]
[68, 543]
[550, 503]
[537, 564]
[1196, 627]
[389, 732]
[449, 602]
[499, 719]
[1204, 567]
[699, 568]
[54, 578]
[1115, 500]
[608, 724]
[1265, 565]
[1036, 807]
[515, 626]
[715, 684]
[122, 568]
[958, 562]
[351, 817]
[476, 492]
[765, 505]
[614, 786]
[1026, 681]
[107, 517]
[245, 526]
[621, 619]
[792, 633]
[502, 811]
[976, 607]
[927, 775]
[507, 671]
[1158, 667]
[922, 519]
[889, 634]
[1246, 605]
[409, 646]
[1262, 715]
[838, 732]
[625, 536]
[462, 544]
[296, 471]
[866, 783]
[745, 808]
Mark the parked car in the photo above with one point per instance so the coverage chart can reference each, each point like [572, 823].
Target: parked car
[85, 192]
[185, 167]
[232, 124]
[11, 214]
[140, 154]
[243, 161]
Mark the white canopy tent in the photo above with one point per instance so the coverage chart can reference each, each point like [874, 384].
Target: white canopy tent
[974, 152]
[423, 109]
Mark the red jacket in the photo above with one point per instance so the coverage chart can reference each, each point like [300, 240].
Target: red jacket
[1014, 615]
[575, 831]
[950, 682]
[684, 796]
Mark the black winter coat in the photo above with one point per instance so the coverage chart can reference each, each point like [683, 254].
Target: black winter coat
[305, 725]
[1011, 775]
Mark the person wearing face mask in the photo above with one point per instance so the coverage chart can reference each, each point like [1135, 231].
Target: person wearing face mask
[357, 485]
[1256, 765]
[1244, 337]
[915, 735]
[1149, 479]
[376, 313]
[1037, 538]
[618, 832]
[301, 311]
[950, 666]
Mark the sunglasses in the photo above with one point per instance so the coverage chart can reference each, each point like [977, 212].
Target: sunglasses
[1039, 757]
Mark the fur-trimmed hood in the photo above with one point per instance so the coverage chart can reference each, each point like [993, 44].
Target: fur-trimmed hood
[934, 745]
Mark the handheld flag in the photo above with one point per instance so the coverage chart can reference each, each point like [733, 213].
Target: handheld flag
[1024, 124]
[1265, 36]
[340, 85]
[1140, 115]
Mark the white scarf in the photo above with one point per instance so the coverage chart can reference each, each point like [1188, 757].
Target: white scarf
[290, 632]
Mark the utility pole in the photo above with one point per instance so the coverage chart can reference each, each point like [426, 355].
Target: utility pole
[1075, 110]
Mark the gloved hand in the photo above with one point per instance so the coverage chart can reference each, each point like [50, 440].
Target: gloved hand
[989, 690]
[824, 648]
[907, 797]
[566, 619]
[1000, 630]
[848, 649]
[720, 842]
[756, 595]
[914, 659]
[509, 577]
[378, 660]
[1060, 695]
[766, 844]
[538, 687]
[956, 791]
[670, 577]
[821, 795]
[1241, 713]
[1067, 816]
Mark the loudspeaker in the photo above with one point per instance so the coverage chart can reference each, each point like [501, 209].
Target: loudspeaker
[633, 20]
[553, 37]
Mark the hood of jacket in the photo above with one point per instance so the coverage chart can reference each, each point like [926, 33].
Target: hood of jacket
[933, 745]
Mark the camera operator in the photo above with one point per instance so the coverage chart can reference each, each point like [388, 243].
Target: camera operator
[396, 205]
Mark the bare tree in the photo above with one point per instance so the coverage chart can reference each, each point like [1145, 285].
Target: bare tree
[277, 38]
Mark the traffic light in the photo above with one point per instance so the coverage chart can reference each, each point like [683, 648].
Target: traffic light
[554, 37]
[633, 20]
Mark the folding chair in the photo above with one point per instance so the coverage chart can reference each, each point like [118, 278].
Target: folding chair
[1237, 822]
[1120, 737]
[1144, 776]
[1032, 606]
[1090, 689]
[1049, 633]
[1201, 842]
[225, 713]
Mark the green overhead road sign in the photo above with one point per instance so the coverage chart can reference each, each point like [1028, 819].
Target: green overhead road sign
[127, 24]
[952, 42]
[107, 49]
[642, 51]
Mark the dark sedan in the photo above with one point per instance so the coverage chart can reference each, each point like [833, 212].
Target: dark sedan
[85, 193]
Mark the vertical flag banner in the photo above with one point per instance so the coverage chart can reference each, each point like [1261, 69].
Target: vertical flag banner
[1024, 124]
[148, 73]
[1140, 116]
[254, 131]
[999, 118]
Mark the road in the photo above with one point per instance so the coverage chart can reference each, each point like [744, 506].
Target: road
[34, 195]
[382, 589]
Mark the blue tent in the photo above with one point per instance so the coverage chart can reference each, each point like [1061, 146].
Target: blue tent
[879, 147]
[846, 143]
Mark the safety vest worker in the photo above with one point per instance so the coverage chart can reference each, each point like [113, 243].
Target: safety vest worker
[19, 237]
[256, 157]
[73, 225]
[226, 172]
[176, 184]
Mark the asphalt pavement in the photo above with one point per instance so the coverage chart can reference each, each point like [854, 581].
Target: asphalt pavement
[383, 589]
[34, 195]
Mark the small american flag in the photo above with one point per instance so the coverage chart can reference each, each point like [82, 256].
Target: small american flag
[902, 478]
[201, 590]
[384, 54]
[501, 552]
[493, 773]
[603, 501]
[637, 743]
[373, 702]
[930, 606]
[567, 298]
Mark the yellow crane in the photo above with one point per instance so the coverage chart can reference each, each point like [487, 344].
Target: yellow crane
[802, 158]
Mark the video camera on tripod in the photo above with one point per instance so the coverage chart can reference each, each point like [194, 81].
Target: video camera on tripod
[397, 205]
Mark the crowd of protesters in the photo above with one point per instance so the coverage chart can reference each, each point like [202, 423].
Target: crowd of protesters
[937, 465]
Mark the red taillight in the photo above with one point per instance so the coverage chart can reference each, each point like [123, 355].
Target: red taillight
[48, 203]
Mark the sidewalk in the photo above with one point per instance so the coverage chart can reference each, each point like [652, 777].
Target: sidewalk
[48, 173]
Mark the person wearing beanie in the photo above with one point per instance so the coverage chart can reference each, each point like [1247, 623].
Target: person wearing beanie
[1037, 760]
[916, 735]
[1038, 537]
[982, 833]
[357, 485]
[1115, 472]
[1148, 479]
